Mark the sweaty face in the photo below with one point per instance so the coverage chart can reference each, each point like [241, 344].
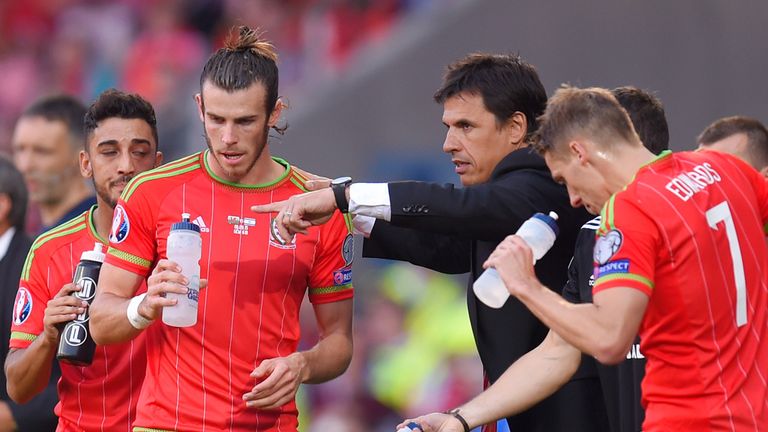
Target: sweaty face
[236, 129]
[475, 141]
[119, 149]
[585, 185]
[43, 152]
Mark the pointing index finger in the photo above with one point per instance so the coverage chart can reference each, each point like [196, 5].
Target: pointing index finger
[268, 208]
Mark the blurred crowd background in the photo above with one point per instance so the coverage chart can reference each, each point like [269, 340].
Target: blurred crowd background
[411, 355]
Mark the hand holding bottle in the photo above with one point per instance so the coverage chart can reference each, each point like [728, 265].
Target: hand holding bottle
[538, 233]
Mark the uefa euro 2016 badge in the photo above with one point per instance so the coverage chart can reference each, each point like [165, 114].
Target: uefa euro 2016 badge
[22, 307]
[607, 245]
[121, 226]
[348, 250]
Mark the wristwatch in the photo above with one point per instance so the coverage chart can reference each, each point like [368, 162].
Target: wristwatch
[339, 187]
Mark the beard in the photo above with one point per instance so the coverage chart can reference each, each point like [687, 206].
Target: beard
[234, 174]
[104, 191]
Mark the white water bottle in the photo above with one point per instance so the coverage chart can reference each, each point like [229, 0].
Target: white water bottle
[184, 247]
[540, 232]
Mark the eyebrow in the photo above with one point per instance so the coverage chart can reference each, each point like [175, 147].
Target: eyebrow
[114, 142]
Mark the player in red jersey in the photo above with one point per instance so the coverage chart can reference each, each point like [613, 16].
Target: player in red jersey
[121, 141]
[680, 256]
[238, 368]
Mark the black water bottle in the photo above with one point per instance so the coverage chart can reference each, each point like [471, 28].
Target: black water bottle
[76, 345]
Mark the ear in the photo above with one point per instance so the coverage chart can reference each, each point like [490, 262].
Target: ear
[158, 159]
[199, 102]
[86, 169]
[579, 150]
[516, 128]
[276, 112]
[5, 207]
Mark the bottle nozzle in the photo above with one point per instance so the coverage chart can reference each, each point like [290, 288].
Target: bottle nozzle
[553, 215]
[185, 217]
[98, 247]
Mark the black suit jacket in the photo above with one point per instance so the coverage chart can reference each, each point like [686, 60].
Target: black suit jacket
[36, 415]
[454, 230]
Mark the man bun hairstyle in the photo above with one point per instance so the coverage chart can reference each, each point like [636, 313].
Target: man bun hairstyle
[245, 58]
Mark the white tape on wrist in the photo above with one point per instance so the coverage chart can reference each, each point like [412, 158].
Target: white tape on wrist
[136, 320]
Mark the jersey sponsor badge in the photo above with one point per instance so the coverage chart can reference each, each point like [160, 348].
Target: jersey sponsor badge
[22, 307]
[607, 245]
[342, 276]
[348, 250]
[121, 226]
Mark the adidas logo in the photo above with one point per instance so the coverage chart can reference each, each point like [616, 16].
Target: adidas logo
[199, 222]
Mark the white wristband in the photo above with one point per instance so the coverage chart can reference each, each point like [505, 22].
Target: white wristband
[136, 320]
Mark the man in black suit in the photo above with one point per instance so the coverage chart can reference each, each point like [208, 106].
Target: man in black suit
[36, 415]
[490, 105]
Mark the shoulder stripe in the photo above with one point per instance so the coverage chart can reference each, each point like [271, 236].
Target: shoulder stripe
[299, 183]
[174, 169]
[77, 224]
[17, 335]
[125, 256]
[606, 216]
[329, 290]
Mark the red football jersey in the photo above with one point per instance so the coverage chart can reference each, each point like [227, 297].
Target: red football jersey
[689, 232]
[196, 376]
[103, 395]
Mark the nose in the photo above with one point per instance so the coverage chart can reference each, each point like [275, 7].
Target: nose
[23, 161]
[451, 144]
[126, 164]
[576, 201]
[228, 134]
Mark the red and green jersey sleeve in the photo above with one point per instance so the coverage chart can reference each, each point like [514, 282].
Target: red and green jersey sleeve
[330, 278]
[132, 238]
[41, 278]
[626, 247]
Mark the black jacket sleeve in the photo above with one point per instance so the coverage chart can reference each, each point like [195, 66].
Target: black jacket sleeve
[443, 253]
[488, 211]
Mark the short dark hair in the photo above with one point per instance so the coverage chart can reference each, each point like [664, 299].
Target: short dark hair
[12, 184]
[647, 115]
[506, 83]
[756, 132]
[592, 113]
[246, 58]
[116, 104]
[63, 108]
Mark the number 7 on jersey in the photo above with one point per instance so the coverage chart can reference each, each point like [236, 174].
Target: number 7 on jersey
[722, 213]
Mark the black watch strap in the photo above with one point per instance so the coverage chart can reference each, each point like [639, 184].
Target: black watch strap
[339, 188]
[455, 413]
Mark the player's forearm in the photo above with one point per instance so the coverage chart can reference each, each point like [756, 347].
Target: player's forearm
[28, 370]
[328, 359]
[528, 381]
[588, 327]
[109, 322]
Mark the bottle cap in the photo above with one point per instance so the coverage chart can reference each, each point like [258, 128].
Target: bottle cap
[185, 224]
[97, 254]
[550, 219]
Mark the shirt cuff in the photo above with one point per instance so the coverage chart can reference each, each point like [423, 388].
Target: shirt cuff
[370, 199]
[363, 225]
